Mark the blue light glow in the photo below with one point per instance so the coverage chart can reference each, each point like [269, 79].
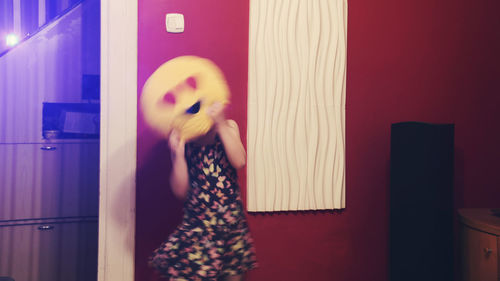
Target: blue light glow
[11, 40]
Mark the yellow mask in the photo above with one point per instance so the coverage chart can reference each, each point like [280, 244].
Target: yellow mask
[177, 94]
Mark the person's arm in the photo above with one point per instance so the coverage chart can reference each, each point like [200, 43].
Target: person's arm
[230, 135]
[179, 179]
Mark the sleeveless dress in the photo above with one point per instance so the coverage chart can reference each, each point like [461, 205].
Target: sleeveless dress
[213, 239]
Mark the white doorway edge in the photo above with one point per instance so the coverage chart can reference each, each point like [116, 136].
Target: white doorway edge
[119, 22]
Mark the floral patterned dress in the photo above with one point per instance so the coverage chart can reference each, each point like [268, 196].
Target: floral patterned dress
[213, 239]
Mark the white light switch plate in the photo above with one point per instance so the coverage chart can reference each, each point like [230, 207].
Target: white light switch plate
[174, 23]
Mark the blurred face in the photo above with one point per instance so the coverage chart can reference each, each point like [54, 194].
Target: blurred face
[177, 94]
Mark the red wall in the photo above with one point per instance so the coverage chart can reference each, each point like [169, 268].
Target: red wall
[421, 60]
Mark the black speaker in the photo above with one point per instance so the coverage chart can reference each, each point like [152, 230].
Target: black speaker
[421, 202]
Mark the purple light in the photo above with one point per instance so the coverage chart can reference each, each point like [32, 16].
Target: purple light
[11, 39]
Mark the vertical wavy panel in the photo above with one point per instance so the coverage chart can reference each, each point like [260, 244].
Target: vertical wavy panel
[296, 105]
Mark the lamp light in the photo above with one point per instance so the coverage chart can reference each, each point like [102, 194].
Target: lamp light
[11, 39]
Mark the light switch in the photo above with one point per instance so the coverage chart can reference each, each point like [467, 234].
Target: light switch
[174, 23]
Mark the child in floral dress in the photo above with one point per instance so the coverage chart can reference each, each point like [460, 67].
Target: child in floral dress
[213, 241]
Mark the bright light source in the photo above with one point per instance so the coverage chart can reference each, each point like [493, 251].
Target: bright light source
[11, 40]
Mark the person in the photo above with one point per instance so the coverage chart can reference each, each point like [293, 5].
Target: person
[213, 241]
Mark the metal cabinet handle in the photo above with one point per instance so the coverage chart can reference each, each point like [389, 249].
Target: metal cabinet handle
[45, 227]
[48, 148]
[487, 251]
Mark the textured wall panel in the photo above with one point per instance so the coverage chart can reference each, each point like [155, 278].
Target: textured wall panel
[296, 105]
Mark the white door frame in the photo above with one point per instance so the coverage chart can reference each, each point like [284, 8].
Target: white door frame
[118, 140]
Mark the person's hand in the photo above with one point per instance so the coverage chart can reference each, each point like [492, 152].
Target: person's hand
[216, 112]
[176, 143]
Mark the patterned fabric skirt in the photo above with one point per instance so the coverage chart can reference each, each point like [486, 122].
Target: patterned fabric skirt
[205, 250]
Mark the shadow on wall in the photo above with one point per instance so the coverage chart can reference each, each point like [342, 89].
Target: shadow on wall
[459, 178]
[155, 202]
[458, 200]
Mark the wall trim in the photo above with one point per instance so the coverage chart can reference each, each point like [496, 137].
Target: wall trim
[118, 140]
